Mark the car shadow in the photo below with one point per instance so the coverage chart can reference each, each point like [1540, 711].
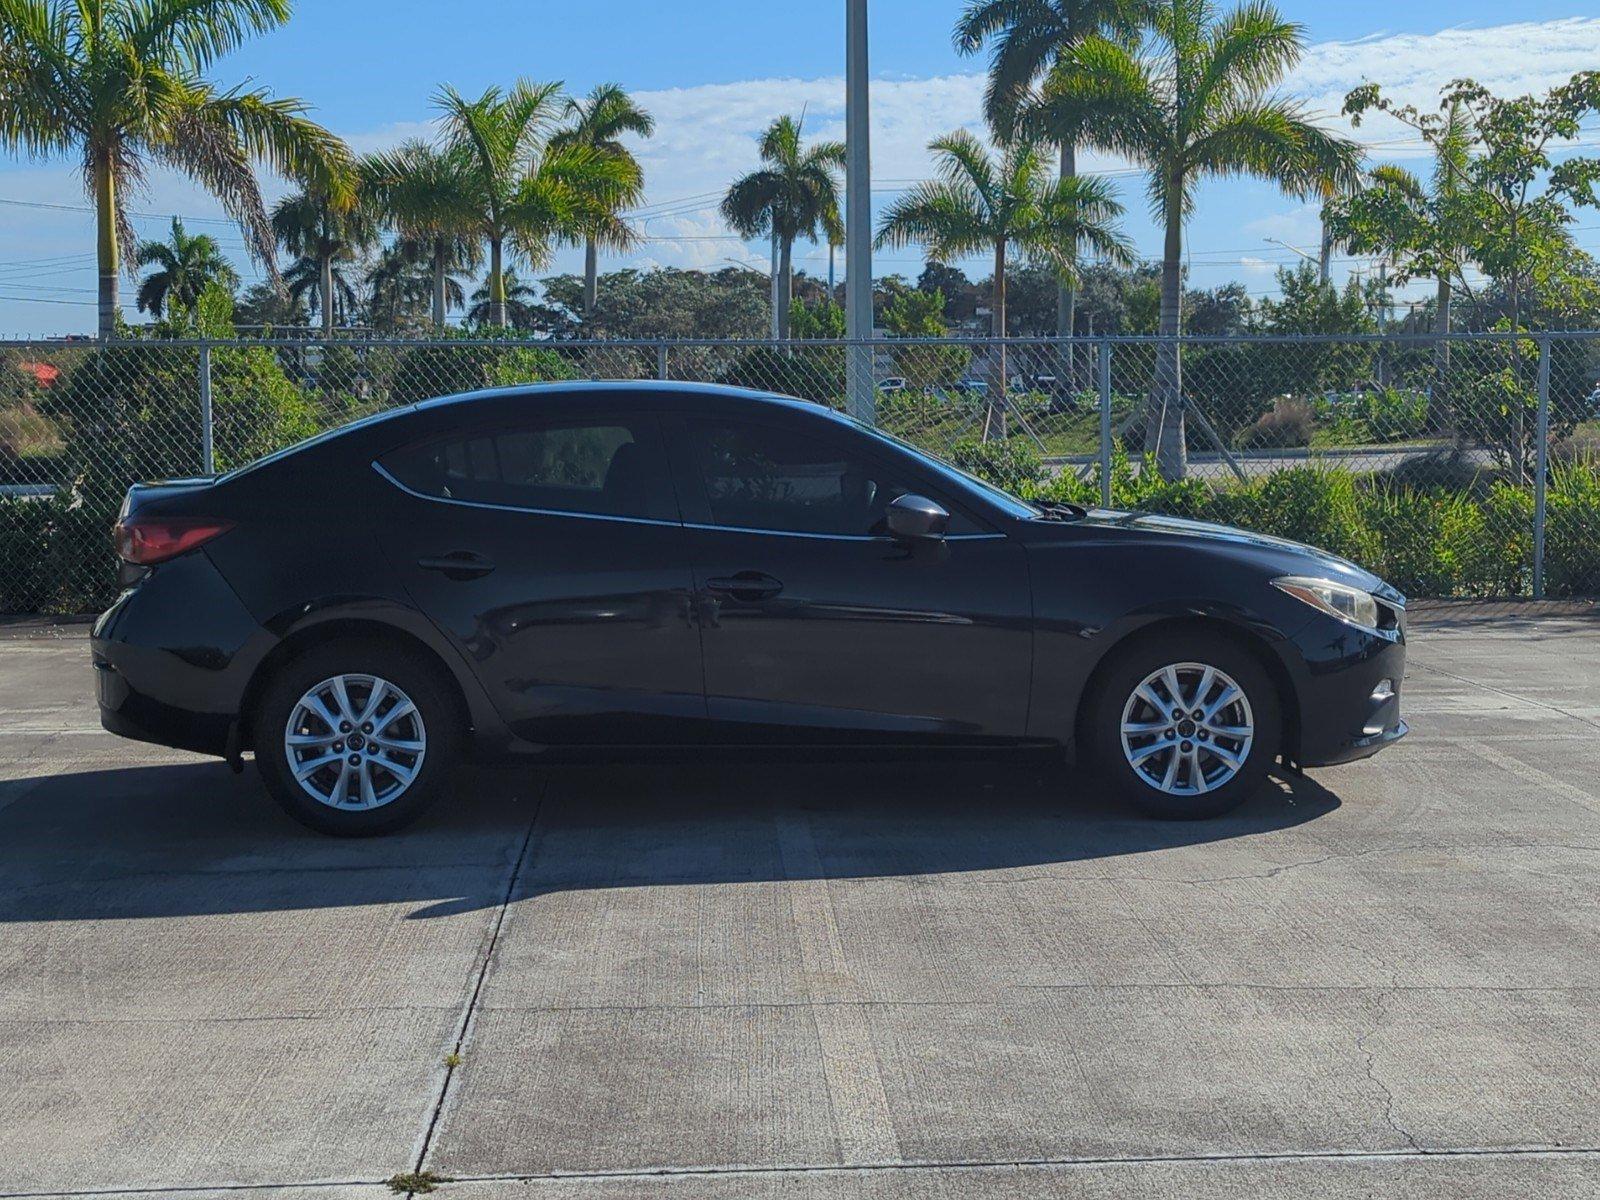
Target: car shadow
[194, 839]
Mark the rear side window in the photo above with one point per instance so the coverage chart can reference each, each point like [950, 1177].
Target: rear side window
[612, 467]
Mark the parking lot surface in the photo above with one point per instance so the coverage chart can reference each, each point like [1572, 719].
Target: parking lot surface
[863, 980]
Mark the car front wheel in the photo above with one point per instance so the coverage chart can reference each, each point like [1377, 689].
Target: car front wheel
[1185, 725]
[355, 738]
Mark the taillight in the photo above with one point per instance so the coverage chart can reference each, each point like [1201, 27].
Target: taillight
[145, 541]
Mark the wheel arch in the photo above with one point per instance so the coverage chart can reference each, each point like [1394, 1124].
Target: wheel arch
[334, 629]
[1246, 638]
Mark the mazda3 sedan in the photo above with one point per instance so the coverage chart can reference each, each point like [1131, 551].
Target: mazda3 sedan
[649, 565]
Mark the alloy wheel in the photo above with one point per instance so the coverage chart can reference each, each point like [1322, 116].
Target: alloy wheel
[355, 742]
[1187, 729]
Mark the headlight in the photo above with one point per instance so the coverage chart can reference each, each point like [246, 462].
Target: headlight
[1340, 600]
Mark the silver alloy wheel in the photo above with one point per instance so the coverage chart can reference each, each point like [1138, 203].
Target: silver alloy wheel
[1187, 729]
[355, 742]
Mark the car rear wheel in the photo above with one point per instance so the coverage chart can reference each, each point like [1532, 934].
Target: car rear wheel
[1185, 725]
[355, 738]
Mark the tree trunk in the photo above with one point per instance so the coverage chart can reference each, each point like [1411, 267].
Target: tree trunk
[327, 294]
[497, 284]
[107, 248]
[591, 276]
[785, 286]
[1164, 440]
[1443, 410]
[995, 417]
[1067, 295]
[440, 280]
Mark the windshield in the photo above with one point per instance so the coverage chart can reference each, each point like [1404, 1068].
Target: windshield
[1011, 505]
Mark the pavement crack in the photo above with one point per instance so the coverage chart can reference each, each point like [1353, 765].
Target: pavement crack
[469, 1012]
[1369, 1058]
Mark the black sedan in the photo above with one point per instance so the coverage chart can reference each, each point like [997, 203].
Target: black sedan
[642, 565]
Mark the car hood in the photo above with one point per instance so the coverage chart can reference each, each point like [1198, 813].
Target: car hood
[1274, 553]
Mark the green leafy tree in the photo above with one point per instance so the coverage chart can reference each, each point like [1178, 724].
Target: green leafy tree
[920, 314]
[1197, 101]
[823, 320]
[425, 193]
[980, 203]
[1509, 212]
[662, 303]
[524, 193]
[1027, 38]
[599, 121]
[120, 85]
[184, 266]
[795, 194]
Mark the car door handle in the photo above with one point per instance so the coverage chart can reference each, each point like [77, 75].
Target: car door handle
[746, 585]
[458, 564]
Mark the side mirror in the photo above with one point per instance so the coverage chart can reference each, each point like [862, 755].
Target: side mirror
[916, 518]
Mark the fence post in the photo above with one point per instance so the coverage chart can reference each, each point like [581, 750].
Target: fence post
[1103, 383]
[1541, 466]
[208, 460]
[661, 359]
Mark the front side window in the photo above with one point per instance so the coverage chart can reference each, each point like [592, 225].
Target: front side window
[761, 477]
[613, 467]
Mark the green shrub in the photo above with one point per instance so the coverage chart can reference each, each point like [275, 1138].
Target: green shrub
[809, 372]
[1011, 463]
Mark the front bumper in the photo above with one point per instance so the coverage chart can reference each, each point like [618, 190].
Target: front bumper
[1349, 692]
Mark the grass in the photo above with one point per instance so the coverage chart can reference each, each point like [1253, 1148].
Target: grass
[415, 1183]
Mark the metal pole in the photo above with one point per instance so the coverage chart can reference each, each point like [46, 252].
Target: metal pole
[1541, 467]
[858, 215]
[208, 461]
[1104, 355]
[661, 361]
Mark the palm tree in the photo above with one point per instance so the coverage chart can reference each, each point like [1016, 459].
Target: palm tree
[518, 301]
[426, 193]
[321, 231]
[328, 291]
[184, 266]
[401, 285]
[1029, 37]
[599, 121]
[1197, 102]
[978, 203]
[120, 84]
[795, 195]
[524, 193]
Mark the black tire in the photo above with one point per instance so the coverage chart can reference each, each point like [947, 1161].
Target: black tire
[412, 674]
[1101, 726]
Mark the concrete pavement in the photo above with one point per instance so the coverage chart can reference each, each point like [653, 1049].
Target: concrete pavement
[858, 980]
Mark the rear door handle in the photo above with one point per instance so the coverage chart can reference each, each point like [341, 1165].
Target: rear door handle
[458, 564]
[746, 585]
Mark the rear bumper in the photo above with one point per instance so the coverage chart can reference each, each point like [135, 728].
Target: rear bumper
[171, 658]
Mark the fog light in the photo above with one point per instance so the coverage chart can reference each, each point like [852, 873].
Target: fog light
[1384, 690]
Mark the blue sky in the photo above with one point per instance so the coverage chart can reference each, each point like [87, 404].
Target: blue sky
[715, 72]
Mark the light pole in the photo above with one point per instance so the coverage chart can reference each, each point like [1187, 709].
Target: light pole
[858, 215]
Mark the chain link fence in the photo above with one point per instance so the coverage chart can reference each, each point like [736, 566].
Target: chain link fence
[1461, 466]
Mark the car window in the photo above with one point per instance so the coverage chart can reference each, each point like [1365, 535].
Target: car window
[767, 478]
[613, 468]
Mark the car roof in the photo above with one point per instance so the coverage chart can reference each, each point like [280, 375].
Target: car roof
[663, 394]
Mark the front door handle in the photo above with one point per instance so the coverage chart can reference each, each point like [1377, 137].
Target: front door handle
[746, 585]
[458, 564]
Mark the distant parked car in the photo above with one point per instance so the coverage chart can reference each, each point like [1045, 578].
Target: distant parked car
[604, 565]
[891, 385]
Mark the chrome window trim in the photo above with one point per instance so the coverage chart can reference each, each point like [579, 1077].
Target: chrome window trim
[830, 537]
[540, 512]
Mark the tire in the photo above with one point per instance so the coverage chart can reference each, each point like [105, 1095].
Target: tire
[395, 781]
[1204, 782]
